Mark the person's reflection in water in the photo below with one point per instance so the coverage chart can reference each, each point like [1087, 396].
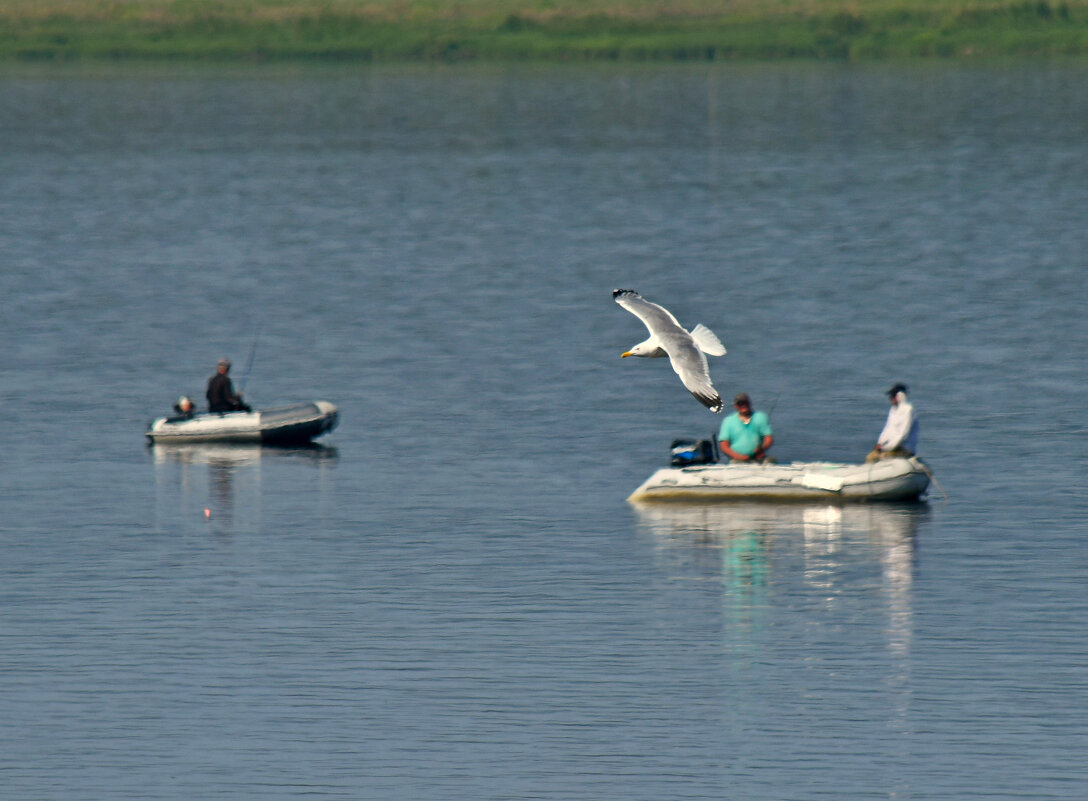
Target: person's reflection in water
[745, 572]
[823, 538]
[835, 539]
[221, 491]
[229, 498]
[737, 534]
[744, 563]
[893, 531]
[834, 542]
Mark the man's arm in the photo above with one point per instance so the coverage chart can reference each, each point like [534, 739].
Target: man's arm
[732, 454]
[896, 429]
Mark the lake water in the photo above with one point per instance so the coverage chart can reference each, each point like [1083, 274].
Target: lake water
[451, 598]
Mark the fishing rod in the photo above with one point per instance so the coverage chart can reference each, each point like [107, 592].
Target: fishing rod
[249, 363]
[781, 389]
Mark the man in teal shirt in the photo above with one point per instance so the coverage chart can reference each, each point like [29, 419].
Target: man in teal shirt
[745, 435]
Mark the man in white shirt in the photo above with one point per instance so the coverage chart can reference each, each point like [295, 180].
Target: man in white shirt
[899, 439]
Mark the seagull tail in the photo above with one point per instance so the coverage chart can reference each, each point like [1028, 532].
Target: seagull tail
[706, 341]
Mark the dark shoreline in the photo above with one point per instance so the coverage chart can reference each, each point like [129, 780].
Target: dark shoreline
[308, 31]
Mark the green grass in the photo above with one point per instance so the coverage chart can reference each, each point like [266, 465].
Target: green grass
[544, 30]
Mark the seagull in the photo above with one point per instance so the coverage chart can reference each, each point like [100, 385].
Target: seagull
[668, 338]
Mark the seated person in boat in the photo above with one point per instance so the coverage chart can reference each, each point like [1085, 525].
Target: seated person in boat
[221, 397]
[745, 435]
[184, 407]
[899, 439]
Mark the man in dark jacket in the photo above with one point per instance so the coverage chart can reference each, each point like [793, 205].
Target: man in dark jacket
[221, 397]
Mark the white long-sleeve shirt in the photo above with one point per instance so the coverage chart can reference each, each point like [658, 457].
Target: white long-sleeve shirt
[901, 429]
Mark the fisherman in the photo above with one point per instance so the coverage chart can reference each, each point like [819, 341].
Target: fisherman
[221, 397]
[745, 435]
[184, 407]
[899, 439]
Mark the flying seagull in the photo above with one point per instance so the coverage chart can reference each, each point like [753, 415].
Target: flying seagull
[668, 338]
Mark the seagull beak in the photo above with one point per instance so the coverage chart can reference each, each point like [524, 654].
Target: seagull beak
[625, 354]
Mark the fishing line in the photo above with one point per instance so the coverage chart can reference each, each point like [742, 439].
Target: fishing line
[249, 363]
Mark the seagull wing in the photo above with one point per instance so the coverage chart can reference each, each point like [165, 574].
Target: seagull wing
[690, 364]
[657, 319]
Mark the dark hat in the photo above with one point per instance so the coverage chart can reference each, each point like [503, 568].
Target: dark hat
[896, 389]
[742, 397]
[223, 363]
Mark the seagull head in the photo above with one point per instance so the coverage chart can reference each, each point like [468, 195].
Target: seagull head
[650, 348]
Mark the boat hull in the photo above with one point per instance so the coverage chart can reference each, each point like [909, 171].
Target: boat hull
[885, 480]
[282, 425]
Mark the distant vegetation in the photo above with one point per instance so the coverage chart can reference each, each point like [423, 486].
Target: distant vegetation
[553, 30]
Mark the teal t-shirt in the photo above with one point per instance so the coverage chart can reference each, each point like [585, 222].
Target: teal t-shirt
[745, 438]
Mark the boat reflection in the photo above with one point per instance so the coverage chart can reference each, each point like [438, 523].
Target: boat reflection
[818, 549]
[229, 453]
[219, 484]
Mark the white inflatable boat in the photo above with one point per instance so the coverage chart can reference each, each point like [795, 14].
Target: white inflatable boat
[886, 480]
[282, 425]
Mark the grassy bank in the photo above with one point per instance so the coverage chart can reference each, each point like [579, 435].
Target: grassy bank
[453, 30]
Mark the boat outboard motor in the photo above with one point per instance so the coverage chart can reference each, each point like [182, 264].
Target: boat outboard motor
[687, 452]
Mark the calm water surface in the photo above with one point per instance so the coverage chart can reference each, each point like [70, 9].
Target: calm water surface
[451, 599]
